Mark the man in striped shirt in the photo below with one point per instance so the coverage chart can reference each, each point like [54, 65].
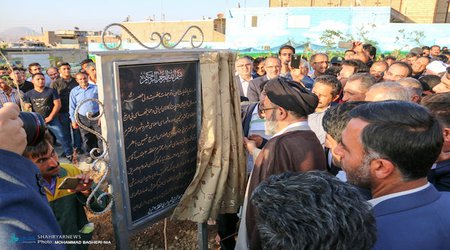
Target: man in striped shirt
[8, 94]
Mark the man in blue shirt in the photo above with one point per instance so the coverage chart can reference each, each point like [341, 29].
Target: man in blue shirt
[77, 95]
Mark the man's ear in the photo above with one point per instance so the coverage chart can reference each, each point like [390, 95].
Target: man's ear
[335, 98]
[415, 99]
[381, 168]
[283, 113]
[446, 135]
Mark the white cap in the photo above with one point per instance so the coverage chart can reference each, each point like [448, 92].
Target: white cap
[437, 67]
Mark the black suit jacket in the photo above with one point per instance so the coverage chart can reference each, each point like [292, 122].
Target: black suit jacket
[246, 117]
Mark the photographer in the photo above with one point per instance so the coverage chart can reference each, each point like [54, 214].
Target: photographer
[24, 209]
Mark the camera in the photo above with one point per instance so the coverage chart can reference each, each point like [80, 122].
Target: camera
[34, 125]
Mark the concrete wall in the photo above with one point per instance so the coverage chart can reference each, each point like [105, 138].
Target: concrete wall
[442, 12]
[143, 30]
[49, 38]
[45, 57]
[419, 11]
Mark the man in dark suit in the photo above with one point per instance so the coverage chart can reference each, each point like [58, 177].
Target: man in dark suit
[273, 69]
[389, 147]
[244, 68]
[439, 105]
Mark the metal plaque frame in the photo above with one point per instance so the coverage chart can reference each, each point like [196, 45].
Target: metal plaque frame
[108, 64]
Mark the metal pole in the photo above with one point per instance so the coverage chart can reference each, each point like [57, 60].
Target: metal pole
[446, 11]
[202, 236]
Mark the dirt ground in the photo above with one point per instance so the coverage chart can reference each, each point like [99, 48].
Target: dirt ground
[180, 235]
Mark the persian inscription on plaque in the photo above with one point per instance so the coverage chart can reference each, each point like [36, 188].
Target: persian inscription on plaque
[159, 115]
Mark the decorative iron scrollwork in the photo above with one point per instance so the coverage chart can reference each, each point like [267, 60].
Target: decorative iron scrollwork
[100, 158]
[161, 39]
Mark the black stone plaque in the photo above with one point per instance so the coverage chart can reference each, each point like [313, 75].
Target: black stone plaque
[159, 115]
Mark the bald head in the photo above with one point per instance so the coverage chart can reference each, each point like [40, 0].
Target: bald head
[414, 88]
[387, 91]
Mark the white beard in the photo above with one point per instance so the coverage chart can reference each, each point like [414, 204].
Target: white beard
[271, 125]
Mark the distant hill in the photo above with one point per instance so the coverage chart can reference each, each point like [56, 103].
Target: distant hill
[14, 34]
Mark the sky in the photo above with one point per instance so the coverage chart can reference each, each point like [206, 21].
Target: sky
[96, 14]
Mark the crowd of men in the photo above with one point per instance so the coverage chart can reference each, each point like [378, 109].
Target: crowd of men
[378, 124]
[347, 153]
[32, 172]
[55, 95]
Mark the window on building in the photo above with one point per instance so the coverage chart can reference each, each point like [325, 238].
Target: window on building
[254, 21]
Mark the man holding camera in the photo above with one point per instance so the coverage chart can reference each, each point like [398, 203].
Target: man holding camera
[24, 209]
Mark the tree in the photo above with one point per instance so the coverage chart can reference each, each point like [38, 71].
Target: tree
[331, 37]
[409, 39]
[363, 32]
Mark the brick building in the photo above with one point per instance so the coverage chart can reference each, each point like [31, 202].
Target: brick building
[408, 11]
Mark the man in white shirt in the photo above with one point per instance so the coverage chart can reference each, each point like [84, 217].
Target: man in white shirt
[319, 63]
[327, 89]
[244, 68]
[390, 147]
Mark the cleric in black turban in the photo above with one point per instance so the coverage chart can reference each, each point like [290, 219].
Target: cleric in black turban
[291, 96]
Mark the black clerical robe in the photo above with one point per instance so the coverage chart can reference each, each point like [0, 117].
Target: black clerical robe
[294, 151]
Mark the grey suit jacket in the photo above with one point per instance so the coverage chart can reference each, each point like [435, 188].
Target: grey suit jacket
[254, 88]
